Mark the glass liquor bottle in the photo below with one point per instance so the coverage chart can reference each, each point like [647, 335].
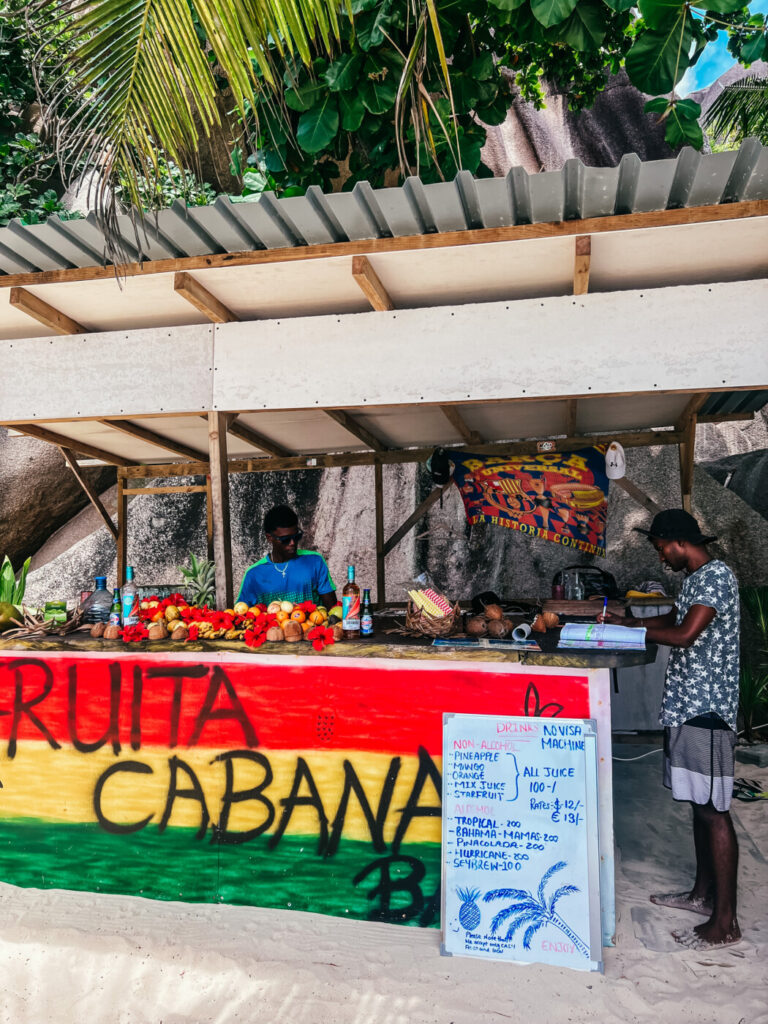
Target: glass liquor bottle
[366, 619]
[350, 607]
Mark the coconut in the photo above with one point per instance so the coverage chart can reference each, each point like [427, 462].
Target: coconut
[494, 611]
[180, 633]
[111, 633]
[550, 619]
[275, 635]
[157, 631]
[538, 625]
[338, 632]
[97, 629]
[477, 626]
[508, 625]
[497, 628]
[293, 631]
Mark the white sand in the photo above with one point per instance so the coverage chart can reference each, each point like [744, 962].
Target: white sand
[74, 957]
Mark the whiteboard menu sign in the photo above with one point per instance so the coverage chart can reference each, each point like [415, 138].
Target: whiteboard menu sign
[520, 851]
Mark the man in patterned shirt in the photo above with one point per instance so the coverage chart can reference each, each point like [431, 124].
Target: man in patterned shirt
[698, 712]
[288, 573]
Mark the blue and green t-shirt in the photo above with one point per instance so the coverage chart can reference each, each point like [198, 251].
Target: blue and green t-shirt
[303, 578]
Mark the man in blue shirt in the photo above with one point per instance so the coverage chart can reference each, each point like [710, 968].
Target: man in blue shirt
[288, 573]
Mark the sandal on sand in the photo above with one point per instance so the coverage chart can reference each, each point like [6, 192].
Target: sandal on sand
[681, 901]
[749, 790]
[692, 940]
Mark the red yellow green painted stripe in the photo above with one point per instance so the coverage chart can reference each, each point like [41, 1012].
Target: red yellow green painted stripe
[278, 782]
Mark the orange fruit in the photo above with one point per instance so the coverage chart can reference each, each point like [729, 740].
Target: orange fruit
[283, 616]
[307, 625]
[316, 617]
[298, 615]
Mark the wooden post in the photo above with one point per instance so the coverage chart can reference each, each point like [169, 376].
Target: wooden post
[687, 451]
[222, 541]
[122, 529]
[209, 517]
[381, 595]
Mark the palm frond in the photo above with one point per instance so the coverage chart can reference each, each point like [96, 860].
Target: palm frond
[530, 919]
[740, 111]
[136, 79]
[507, 894]
[546, 877]
[525, 909]
[532, 931]
[564, 890]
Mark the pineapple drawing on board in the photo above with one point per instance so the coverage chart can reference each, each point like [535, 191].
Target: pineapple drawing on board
[469, 914]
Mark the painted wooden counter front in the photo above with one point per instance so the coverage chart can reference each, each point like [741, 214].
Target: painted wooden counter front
[310, 783]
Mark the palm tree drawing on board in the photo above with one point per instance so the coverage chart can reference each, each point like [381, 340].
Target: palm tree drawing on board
[534, 911]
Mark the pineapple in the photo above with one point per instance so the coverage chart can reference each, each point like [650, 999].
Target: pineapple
[199, 581]
[469, 914]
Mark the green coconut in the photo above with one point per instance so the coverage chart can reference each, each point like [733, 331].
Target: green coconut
[8, 612]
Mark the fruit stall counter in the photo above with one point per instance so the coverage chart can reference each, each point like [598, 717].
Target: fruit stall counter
[277, 777]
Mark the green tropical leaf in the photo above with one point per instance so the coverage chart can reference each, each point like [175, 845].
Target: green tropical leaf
[755, 48]
[658, 60]
[507, 5]
[723, 6]
[135, 81]
[7, 581]
[319, 126]
[552, 12]
[683, 130]
[378, 89]
[741, 110]
[344, 72]
[372, 28]
[301, 99]
[689, 108]
[659, 105]
[352, 111]
[619, 6]
[658, 14]
[21, 586]
[586, 27]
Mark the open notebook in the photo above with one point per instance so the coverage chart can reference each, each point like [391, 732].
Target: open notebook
[598, 635]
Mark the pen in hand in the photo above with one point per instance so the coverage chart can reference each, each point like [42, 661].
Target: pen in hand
[605, 608]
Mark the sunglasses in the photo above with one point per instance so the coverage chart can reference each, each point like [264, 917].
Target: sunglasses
[290, 538]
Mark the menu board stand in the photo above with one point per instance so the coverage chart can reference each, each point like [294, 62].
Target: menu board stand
[521, 862]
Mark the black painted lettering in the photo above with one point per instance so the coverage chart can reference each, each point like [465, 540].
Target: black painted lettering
[221, 832]
[178, 674]
[136, 698]
[112, 732]
[293, 800]
[236, 711]
[427, 770]
[174, 793]
[352, 784]
[106, 823]
[23, 707]
[392, 879]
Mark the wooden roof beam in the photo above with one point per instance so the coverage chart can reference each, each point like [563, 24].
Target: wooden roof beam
[198, 296]
[459, 424]
[44, 313]
[695, 403]
[582, 256]
[402, 243]
[370, 284]
[43, 434]
[357, 430]
[252, 437]
[142, 434]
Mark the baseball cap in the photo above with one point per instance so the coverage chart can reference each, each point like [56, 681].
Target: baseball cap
[615, 461]
[676, 524]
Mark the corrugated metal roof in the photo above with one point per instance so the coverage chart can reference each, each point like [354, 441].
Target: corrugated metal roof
[727, 402]
[575, 192]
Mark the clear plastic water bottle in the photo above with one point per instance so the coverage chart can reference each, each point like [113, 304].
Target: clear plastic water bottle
[96, 607]
[130, 596]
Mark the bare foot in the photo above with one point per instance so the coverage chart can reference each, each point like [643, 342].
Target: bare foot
[683, 901]
[708, 936]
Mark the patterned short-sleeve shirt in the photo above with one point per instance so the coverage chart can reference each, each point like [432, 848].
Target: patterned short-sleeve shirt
[705, 676]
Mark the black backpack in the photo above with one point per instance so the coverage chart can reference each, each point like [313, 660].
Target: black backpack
[597, 582]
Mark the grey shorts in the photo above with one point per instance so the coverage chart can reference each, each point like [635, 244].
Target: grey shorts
[699, 761]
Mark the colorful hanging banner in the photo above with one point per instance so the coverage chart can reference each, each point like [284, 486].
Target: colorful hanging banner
[562, 497]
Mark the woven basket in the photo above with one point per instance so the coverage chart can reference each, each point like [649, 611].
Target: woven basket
[418, 621]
